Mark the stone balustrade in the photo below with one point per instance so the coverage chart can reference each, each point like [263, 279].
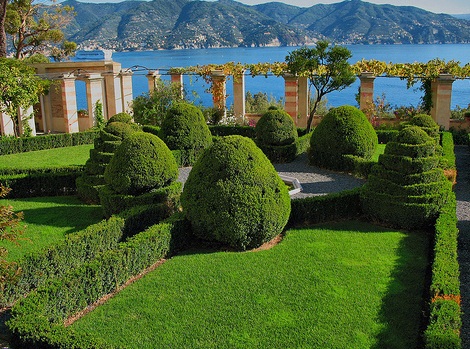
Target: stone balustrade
[107, 83]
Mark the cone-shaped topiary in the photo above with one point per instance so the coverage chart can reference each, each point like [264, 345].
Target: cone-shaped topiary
[343, 131]
[406, 188]
[276, 128]
[184, 128]
[234, 195]
[141, 163]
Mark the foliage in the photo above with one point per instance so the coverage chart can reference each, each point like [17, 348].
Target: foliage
[20, 87]
[141, 163]
[234, 195]
[151, 108]
[276, 128]
[260, 102]
[184, 128]
[98, 114]
[406, 189]
[120, 117]
[288, 152]
[64, 51]
[327, 69]
[36, 28]
[10, 230]
[343, 131]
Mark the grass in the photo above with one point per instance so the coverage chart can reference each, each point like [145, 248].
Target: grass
[380, 150]
[48, 220]
[57, 157]
[342, 285]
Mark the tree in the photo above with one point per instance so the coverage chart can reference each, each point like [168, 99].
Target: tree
[10, 230]
[35, 27]
[327, 69]
[3, 34]
[19, 88]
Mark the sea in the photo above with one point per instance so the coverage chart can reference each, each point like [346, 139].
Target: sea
[394, 90]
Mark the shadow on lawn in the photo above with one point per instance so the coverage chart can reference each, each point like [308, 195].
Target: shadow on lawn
[404, 303]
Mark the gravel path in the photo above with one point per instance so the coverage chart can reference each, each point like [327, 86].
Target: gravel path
[462, 191]
[314, 181]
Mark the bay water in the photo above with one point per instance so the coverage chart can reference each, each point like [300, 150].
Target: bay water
[394, 89]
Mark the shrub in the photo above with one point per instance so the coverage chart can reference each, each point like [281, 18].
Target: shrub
[120, 117]
[276, 128]
[184, 128]
[406, 189]
[343, 131]
[120, 129]
[141, 163]
[234, 195]
[426, 123]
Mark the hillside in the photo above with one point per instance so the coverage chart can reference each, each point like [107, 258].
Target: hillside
[156, 24]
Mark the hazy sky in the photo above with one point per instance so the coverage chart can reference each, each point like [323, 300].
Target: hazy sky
[437, 6]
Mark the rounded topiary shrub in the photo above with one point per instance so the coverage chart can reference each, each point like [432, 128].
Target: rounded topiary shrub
[120, 117]
[406, 188]
[234, 195]
[343, 131]
[184, 128]
[276, 128]
[427, 123]
[141, 163]
[121, 129]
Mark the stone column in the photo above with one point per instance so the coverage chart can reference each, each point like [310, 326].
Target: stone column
[69, 104]
[304, 102]
[218, 89]
[113, 96]
[6, 125]
[126, 90]
[441, 99]
[239, 95]
[366, 91]
[152, 77]
[177, 78]
[291, 95]
[94, 94]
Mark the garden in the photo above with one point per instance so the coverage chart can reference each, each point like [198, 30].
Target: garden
[117, 253]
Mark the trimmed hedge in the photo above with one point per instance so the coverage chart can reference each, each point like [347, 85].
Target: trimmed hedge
[225, 130]
[286, 153]
[443, 330]
[343, 131]
[326, 208]
[234, 195]
[385, 136]
[37, 320]
[53, 181]
[12, 145]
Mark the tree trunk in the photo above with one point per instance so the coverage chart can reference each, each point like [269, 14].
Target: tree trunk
[3, 36]
[312, 114]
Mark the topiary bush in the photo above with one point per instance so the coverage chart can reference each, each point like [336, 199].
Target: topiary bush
[425, 122]
[110, 137]
[141, 163]
[406, 188]
[276, 128]
[233, 195]
[184, 128]
[343, 131]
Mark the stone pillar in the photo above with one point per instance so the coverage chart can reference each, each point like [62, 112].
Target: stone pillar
[6, 125]
[366, 91]
[304, 103]
[218, 89]
[152, 77]
[239, 95]
[113, 96]
[291, 95]
[126, 90]
[69, 104]
[94, 94]
[441, 99]
[177, 78]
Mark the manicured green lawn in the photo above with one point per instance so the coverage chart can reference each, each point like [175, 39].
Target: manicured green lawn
[48, 220]
[342, 285]
[77, 155]
[380, 150]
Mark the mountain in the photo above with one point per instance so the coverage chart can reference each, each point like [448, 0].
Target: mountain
[156, 24]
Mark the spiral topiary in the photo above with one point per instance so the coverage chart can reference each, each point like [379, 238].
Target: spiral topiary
[343, 131]
[233, 195]
[276, 128]
[406, 188]
[120, 117]
[184, 128]
[141, 163]
[425, 122]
